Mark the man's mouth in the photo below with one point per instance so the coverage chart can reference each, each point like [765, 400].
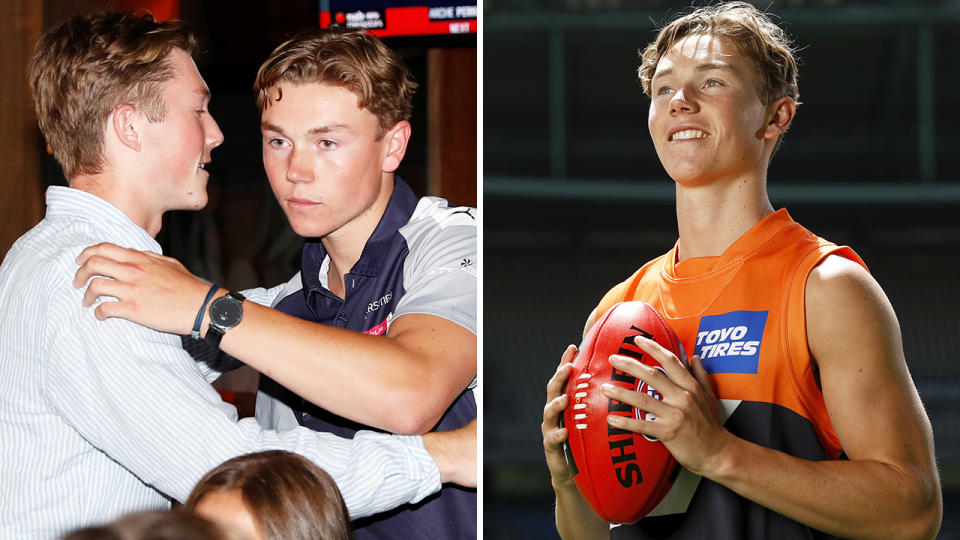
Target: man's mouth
[302, 202]
[688, 134]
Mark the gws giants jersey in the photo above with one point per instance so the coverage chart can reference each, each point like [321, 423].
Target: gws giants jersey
[743, 313]
[421, 258]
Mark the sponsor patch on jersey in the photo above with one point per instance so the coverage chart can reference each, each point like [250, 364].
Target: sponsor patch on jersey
[730, 343]
[381, 328]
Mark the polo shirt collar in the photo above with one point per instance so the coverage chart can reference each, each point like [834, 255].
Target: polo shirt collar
[399, 210]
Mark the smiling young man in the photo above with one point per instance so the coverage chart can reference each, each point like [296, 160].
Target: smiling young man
[819, 431]
[379, 327]
[98, 419]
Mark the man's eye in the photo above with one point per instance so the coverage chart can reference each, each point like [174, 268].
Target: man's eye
[276, 143]
[327, 144]
[664, 90]
[712, 82]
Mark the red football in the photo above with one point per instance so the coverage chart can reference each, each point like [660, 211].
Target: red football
[623, 475]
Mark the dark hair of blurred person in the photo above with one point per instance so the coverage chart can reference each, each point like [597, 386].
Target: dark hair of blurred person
[154, 525]
[272, 495]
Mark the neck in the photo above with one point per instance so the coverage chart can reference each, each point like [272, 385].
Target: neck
[105, 186]
[345, 245]
[710, 218]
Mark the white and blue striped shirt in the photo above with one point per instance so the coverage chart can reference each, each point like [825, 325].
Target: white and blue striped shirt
[100, 418]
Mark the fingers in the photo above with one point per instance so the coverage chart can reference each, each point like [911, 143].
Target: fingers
[558, 382]
[109, 251]
[552, 411]
[569, 354]
[96, 265]
[556, 394]
[700, 373]
[553, 438]
[661, 425]
[114, 261]
[676, 370]
[553, 434]
[664, 383]
[645, 427]
[100, 287]
[103, 287]
[638, 400]
[673, 366]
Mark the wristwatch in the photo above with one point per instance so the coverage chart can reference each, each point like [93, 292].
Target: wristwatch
[225, 313]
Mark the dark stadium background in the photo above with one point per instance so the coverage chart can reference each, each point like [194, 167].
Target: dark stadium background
[574, 199]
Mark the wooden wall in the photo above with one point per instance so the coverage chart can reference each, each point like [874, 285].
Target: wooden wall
[452, 113]
[21, 207]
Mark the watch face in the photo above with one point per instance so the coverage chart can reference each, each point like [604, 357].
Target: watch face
[226, 312]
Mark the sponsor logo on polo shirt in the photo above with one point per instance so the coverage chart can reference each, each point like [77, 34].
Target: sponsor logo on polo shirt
[730, 343]
[377, 304]
[381, 328]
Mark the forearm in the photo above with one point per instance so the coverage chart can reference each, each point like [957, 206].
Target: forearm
[373, 380]
[374, 472]
[851, 499]
[402, 382]
[575, 519]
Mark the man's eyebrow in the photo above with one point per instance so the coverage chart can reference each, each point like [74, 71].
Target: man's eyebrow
[203, 92]
[321, 130]
[267, 126]
[706, 66]
[709, 66]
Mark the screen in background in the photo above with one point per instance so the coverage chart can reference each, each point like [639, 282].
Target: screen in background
[401, 18]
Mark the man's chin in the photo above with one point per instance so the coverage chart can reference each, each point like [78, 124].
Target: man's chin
[309, 230]
[196, 202]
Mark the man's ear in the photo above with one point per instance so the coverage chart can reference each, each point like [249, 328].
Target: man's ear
[396, 145]
[780, 115]
[124, 125]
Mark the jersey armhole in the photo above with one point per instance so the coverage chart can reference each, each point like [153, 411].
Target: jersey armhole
[798, 350]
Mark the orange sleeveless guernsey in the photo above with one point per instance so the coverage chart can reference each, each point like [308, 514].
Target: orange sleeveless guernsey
[743, 313]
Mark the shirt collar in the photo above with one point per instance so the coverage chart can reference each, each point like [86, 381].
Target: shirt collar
[742, 248]
[117, 227]
[399, 210]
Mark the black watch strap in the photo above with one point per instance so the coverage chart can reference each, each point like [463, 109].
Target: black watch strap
[214, 335]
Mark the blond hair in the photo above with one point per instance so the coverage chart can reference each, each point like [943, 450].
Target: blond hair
[351, 59]
[84, 68]
[750, 30]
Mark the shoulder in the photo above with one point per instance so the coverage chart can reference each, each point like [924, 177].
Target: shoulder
[847, 309]
[43, 261]
[442, 213]
[434, 217]
[438, 232]
[839, 280]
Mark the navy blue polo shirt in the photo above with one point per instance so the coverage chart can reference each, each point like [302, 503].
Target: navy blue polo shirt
[421, 258]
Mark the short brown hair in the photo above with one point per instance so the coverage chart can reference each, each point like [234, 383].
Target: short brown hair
[750, 30]
[352, 59]
[84, 68]
[290, 497]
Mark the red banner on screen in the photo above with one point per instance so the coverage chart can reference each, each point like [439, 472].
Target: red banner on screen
[406, 21]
